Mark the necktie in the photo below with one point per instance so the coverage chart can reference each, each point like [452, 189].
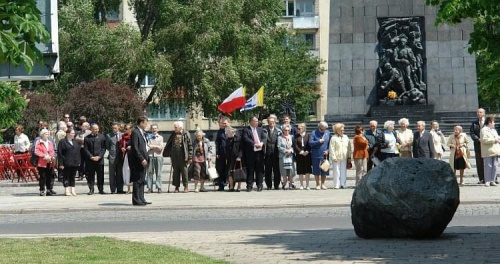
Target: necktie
[256, 139]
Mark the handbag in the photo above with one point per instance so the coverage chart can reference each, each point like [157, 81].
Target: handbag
[238, 174]
[325, 165]
[212, 172]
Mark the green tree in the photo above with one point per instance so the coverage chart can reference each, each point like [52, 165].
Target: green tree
[483, 40]
[12, 105]
[20, 30]
[41, 106]
[104, 103]
[91, 50]
[217, 45]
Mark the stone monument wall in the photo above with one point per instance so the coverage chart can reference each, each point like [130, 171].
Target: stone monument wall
[450, 71]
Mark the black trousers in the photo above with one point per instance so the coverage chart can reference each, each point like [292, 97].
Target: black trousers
[69, 176]
[221, 167]
[91, 168]
[369, 162]
[46, 178]
[479, 161]
[138, 173]
[272, 169]
[255, 169]
[115, 176]
[81, 169]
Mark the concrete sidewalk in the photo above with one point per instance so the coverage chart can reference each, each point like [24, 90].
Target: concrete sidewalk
[26, 199]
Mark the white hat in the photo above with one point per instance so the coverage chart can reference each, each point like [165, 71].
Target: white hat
[43, 131]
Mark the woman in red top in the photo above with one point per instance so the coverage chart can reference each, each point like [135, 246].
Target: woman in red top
[44, 150]
[360, 153]
[124, 147]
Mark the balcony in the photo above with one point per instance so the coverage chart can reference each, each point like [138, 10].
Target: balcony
[306, 22]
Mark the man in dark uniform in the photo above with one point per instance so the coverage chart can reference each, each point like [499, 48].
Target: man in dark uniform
[272, 154]
[94, 146]
[115, 170]
[423, 146]
[475, 134]
[371, 135]
[138, 161]
[220, 151]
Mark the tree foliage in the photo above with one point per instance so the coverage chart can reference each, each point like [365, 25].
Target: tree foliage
[104, 102]
[12, 105]
[91, 50]
[483, 40]
[20, 30]
[217, 45]
[41, 106]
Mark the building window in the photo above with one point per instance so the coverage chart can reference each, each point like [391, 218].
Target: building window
[289, 8]
[310, 39]
[166, 111]
[148, 81]
[304, 8]
[113, 16]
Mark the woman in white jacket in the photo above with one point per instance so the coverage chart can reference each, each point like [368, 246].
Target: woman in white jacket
[490, 150]
[340, 155]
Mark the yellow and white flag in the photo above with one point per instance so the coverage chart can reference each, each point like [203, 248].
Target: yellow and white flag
[254, 101]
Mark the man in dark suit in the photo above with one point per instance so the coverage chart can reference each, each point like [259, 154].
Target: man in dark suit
[220, 151]
[254, 140]
[475, 130]
[423, 146]
[272, 154]
[371, 135]
[115, 171]
[137, 160]
[94, 146]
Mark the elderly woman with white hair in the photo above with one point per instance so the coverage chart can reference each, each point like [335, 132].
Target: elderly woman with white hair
[458, 143]
[438, 140]
[387, 142]
[285, 148]
[318, 141]
[45, 151]
[340, 155]
[202, 155]
[405, 136]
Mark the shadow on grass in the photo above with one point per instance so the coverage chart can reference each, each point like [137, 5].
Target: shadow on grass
[456, 244]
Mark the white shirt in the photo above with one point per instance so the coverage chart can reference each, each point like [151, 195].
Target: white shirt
[21, 143]
[390, 140]
[145, 140]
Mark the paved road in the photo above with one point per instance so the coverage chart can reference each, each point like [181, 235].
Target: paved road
[208, 220]
[266, 227]
[273, 235]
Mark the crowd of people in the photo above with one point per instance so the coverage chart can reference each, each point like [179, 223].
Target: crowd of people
[272, 154]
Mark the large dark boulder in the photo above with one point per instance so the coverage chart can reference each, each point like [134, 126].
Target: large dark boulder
[405, 198]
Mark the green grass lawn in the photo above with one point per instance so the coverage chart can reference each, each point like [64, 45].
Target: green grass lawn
[92, 250]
